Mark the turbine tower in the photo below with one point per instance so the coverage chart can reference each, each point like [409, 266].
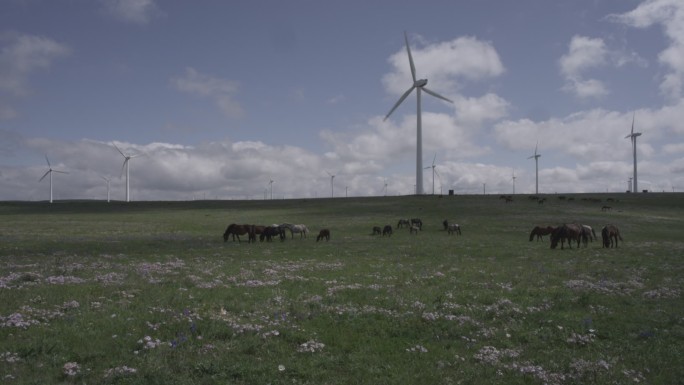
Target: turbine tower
[419, 86]
[49, 172]
[536, 168]
[126, 162]
[633, 135]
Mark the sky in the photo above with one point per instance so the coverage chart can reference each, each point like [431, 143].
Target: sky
[270, 99]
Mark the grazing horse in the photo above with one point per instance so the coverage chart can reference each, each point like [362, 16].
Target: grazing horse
[414, 229]
[402, 223]
[377, 230]
[417, 222]
[325, 233]
[236, 230]
[454, 228]
[610, 233]
[570, 232]
[589, 232]
[300, 229]
[387, 230]
[540, 232]
[272, 231]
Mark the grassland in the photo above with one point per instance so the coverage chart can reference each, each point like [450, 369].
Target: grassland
[148, 293]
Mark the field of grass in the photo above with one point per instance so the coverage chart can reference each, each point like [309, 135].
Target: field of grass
[148, 293]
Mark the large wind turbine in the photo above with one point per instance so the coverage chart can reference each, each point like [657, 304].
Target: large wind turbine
[126, 162]
[419, 86]
[536, 168]
[633, 135]
[49, 172]
[513, 179]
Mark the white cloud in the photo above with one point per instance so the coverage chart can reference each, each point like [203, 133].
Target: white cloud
[584, 53]
[444, 64]
[670, 15]
[132, 11]
[20, 57]
[221, 91]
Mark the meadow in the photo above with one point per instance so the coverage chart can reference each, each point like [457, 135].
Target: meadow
[149, 293]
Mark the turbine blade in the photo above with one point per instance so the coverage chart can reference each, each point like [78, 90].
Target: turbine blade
[61, 172]
[633, 116]
[408, 49]
[434, 159]
[123, 166]
[48, 161]
[401, 99]
[44, 175]
[433, 93]
[120, 152]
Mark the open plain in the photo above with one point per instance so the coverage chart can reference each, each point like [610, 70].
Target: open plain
[149, 293]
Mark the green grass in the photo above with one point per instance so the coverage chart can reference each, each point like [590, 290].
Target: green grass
[86, 282]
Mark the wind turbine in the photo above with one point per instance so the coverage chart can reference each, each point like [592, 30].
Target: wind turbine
[126, 162]
[419, 86]
[385, 187]
[332, 186]
[49, 172]
[271, 185]
[106, 180]
[633, 135]
[513, 179]
[536, 168]
[433, 173]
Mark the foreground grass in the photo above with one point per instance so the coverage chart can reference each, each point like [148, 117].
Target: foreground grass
[149, 293]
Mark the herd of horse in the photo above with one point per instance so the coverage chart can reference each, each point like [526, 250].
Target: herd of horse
[568, 232]
[575, 232]
[268, 233]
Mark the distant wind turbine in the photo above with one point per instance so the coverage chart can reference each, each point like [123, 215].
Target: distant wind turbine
[385, 187]
[433, 173]
[271, 185]
[513, 179]
[332, 185]
[536, 168]
[126, 165]
[419, 86]
[633, 135]
[106, 180]
[49, 172]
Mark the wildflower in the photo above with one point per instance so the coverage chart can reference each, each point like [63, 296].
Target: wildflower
[120, 371]
[417, 348]
[71, 369]
[281, 368]
[310, 346]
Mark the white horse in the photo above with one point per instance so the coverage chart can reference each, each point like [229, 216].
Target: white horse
[454, 228]
[302, 230]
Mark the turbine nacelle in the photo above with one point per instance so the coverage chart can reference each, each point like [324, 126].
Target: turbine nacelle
[420, 83]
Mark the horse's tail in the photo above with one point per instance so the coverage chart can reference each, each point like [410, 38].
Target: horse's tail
[532, 234]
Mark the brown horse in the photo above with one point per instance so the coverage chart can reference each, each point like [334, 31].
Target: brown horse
[610, 233]
[570, 232]
[387, 230]
[454, 228]
[377, 230]
[323, 234]
[540, 232]
[236, 230]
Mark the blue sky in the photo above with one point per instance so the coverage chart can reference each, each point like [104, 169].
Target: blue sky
[221, 97]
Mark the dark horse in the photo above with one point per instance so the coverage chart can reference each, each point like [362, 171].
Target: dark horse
[610, 233]
[323, 234]
[540, 232]
[236, 230]
[417, 222]
[272, 231]
[387, 230]
[570, 232]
